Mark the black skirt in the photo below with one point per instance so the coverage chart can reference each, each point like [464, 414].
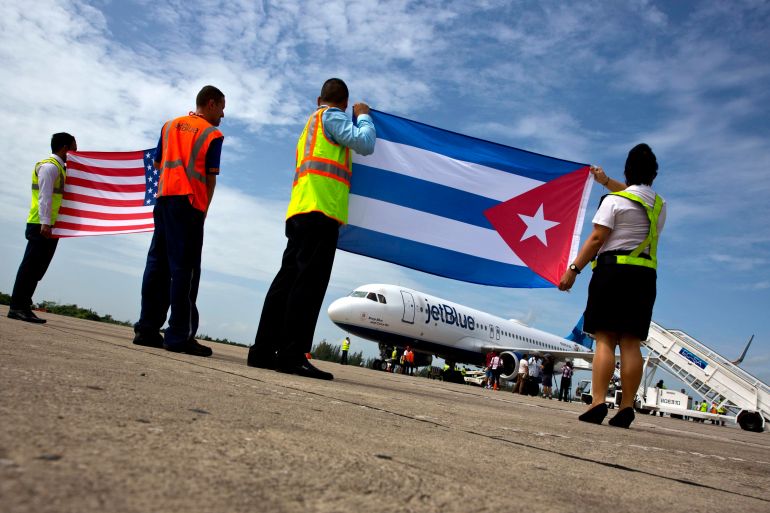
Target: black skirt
[620, 300]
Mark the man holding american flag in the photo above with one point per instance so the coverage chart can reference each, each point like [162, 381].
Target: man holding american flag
[187, 158]
[48, 178]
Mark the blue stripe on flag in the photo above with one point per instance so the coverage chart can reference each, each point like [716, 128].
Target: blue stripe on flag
[470, 149]
[438, 261]
[421, 195]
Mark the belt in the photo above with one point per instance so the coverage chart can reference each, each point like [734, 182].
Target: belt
[608, 257]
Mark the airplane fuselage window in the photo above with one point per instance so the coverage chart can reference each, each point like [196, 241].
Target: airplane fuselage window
[372, 296]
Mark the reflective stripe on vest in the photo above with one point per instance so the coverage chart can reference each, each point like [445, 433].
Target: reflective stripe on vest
[186, 141]
[652, 236]
[322, 173]
[56, 197]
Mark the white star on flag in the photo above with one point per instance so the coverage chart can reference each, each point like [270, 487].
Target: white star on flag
[537, 225]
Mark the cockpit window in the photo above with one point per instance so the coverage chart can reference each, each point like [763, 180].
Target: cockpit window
[372, 296]
[382, 299]
[358, 293]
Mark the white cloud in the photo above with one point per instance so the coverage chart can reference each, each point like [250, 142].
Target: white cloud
[584, 82]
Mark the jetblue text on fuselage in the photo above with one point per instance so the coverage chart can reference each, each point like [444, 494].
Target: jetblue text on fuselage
[448, 315]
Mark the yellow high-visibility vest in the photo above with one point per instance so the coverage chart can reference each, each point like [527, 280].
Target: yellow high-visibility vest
[58, 190]
[322, 174]
[652, 236]
[345, 345]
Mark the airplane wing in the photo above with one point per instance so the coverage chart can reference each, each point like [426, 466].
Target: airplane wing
[484, 346]
[559, 355]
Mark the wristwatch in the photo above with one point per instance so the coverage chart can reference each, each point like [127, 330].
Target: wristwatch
[574, 268]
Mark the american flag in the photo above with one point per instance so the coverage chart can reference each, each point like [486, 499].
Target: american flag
[108, 193]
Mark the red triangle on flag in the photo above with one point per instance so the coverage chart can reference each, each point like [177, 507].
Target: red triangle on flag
[539, 225]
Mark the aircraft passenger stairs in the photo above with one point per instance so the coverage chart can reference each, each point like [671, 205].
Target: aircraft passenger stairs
[710, 375]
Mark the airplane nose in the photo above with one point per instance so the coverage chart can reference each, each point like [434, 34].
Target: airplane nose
[338, 311]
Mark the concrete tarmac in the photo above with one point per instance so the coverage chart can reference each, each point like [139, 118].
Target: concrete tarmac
[90, 422]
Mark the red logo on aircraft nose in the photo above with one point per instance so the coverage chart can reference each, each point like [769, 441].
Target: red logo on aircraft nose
[539, 225]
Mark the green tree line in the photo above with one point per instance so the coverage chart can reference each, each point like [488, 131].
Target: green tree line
[333, 353]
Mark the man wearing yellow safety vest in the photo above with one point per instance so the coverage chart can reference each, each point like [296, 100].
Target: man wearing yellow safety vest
[187, 158]
[318, 206]
[345, 349]
[48, 179]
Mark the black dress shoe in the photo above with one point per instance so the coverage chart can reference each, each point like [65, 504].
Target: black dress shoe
[149, 340]
[26, 316]
[261, 359]
[595, 415]
[190, 347]
[304, 368]
[623, 418]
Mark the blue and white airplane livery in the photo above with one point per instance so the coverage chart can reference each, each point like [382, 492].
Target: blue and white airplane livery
[399, 316]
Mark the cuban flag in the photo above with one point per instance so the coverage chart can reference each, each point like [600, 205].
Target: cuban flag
[463, 208]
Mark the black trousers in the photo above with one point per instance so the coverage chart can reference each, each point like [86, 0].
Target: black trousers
[293, 302]
[34, 264]
[173, 271]
[564, 389]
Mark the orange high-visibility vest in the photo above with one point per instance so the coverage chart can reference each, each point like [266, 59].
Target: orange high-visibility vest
[183, 166]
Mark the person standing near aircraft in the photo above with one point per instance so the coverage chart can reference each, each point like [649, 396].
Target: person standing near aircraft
[408, 361]
[566, 381]
[187, 157]
[488, 368]
[547, 367]
[496, 364]
[534, 370]
[521, 378]
[345, 349]
[318, 206]
[622, 291]
[48, 179]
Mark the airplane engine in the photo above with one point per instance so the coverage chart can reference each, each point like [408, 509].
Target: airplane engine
[510, 364]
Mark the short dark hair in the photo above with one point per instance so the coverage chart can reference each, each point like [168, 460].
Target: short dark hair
[208, 93]
[641, 165]
[334, 90]
[60, 140]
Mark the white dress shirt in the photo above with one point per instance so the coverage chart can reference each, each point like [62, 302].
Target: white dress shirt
[47, 175]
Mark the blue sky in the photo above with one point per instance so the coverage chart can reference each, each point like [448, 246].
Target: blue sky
[582, 81]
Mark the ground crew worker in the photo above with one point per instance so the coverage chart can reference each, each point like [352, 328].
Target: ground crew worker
[623, 248]
[187, 160]
[48, 177]
[410, 360]
[318, 206]
[714, 410]
[721, 410]
[345, 349]
[394, 357]
[405, 361]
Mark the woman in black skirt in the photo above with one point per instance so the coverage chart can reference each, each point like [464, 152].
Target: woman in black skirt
[622, 291]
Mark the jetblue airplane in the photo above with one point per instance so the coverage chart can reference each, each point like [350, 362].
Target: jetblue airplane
[398, 316]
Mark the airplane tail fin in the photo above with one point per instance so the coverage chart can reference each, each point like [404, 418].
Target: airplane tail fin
[743, 354]
[579, 336]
